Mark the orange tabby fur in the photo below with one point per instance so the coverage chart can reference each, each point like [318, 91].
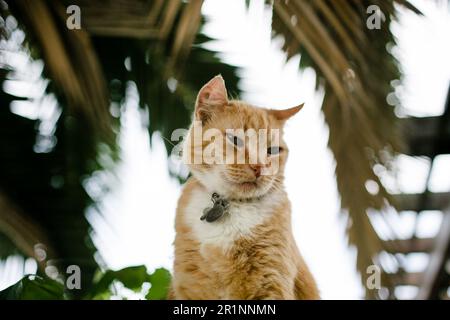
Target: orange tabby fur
[251, 253]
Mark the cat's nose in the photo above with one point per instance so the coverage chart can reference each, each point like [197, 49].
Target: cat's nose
[256, 169]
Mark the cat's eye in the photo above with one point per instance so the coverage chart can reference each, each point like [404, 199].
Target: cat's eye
[235, 140]
[273, 150]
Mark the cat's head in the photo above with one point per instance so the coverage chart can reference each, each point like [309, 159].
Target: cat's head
[234, 148]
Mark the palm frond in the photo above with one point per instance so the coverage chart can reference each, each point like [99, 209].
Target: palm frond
[356, 70]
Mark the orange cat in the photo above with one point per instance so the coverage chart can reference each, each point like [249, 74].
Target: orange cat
[233, 225]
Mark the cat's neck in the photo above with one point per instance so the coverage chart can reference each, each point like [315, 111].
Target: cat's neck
[238, 219]
[246, 200]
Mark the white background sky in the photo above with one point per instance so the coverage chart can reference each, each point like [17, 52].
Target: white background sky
[140, 212]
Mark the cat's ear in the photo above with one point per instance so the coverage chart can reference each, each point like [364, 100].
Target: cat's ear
[211, 95]
[285, 114]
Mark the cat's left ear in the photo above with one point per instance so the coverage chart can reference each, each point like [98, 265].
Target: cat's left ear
[211, 95]
[285, 114]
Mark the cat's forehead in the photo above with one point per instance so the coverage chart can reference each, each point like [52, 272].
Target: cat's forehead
[237, 114]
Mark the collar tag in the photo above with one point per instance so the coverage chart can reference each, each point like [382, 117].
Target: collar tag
[219, 208]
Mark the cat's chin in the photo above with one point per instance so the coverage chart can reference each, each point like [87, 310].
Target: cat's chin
[249, 185]
[247, 189]
[217, 182]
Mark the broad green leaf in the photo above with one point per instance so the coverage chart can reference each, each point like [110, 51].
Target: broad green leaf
[34, 288]
[130, 277]
[160, 281]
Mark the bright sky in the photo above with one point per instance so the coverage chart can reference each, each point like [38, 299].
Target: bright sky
[137, 226]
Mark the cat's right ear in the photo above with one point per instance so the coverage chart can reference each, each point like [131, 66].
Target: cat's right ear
[212, 95]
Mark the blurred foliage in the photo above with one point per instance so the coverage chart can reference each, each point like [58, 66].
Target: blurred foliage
[7, 247]
[44, 173]
[34, 288]
[43, 288]
[169, 100]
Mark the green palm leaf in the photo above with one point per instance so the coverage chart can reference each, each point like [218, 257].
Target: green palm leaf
[356, 71]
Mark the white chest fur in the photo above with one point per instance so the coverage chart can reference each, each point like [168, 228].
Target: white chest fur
[239, 222]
